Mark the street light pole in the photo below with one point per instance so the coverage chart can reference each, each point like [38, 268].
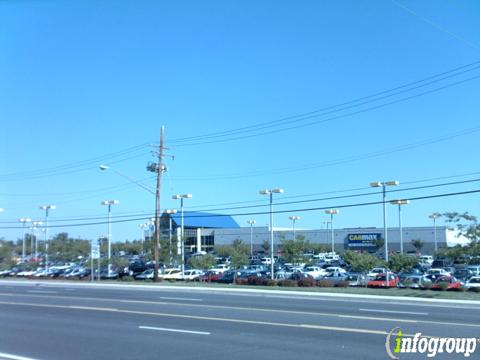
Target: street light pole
[251, 222]
[271, 192]
[435, 216]
[47, 209]
[24, 222]
[109, 203]
[383, 185]
[400, 203]
[170, 212]
[294, 218]
[332, 212]
[182, 239]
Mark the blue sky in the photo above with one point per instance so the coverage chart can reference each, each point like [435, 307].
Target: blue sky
[89, 82]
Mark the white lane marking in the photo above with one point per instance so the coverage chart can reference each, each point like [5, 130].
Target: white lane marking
[179, 298]
[395, 312]
[14, 357]
[174, 330]
[41, 292]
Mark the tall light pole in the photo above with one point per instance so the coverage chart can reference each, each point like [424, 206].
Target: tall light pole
[270, 192]
[383, 185]
[251, 222]
[109, 203]
[24, 222]
[170, 212]
[294, 219]
[332, 212]
[435, 216]
[400, 203]
[182, 239]
[142, 229]
[47, 209]
[35, 225]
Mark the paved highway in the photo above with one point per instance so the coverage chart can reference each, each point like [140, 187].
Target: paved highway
[65, 321]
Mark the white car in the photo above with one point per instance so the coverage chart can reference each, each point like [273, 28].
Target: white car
[315, 271]
[171, 274]
[376, 271]
[335, 270]
[473, 282]
[438, 272]
[221, 268]
[190, 275]
[426, 259]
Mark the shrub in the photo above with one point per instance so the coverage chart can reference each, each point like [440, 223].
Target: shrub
[307, 282]
[342, 284]
[241, 281]
[127, 278]
[324, 283]
[287, 283]
[254, 280]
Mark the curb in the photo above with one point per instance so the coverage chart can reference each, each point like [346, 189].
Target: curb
[265, 292]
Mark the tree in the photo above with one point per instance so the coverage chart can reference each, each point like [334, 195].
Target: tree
[239, 255]
[294, 250]
[379, 243]
[202, 262]
[266, 246]
[362, 261]
[417, 244]
[399, 262]
[466, 224]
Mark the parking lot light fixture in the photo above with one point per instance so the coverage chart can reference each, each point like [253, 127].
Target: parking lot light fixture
[47, 209]
[434, 217]
[294, 219]
[384, 185]
[170, 212]
[270, 193]
[332, 212]
[35, 225]
[24, 222]
[251, 222]
[181, 197]
[109, 203]
[400, 203]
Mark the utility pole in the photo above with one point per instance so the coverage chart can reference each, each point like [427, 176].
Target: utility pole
[158, 168]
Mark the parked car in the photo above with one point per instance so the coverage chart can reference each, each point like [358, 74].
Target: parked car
[451, 283]
[376, 271]
[473, 282]
[191, 275]
[435, 273]
[315, 271]
[171, 274]
[464, 274]
[300, 276]
[415, 282]
[381, 281]
[356, 279]
[210, 276]
[145, 275]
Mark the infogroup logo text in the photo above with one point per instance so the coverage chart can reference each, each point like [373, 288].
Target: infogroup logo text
[431, 346]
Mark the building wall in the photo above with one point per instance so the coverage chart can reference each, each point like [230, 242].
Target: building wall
[445, 237]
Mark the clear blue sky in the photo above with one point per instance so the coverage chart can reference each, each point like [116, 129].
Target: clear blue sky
[90, 82]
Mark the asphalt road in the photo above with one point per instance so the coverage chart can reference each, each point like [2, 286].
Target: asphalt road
[42, 321]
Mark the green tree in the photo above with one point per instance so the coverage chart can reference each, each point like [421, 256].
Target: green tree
[202, 262]
[362, 261]
[466, 224]
[418, 245]
[294, 250]
[239, 255]
[399, 262]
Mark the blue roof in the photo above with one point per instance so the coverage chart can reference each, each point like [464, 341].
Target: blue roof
[195, 219]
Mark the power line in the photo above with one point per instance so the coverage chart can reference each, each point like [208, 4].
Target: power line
[330, 109]
[265, 212]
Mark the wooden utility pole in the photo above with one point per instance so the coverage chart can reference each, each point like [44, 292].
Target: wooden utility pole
[158, 168]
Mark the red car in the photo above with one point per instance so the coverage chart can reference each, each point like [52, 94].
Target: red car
[381, 281]
[451, 281]
[210, 276]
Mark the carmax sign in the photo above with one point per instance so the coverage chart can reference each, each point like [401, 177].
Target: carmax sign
[363, 241]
